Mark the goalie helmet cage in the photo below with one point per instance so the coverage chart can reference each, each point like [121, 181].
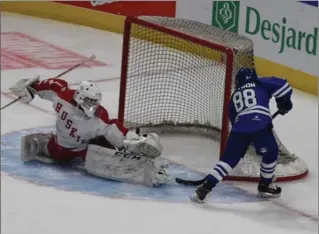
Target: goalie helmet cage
[177, 76]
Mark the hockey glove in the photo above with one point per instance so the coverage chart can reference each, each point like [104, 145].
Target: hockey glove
[24, 90]
[149, 146]
[284, 107]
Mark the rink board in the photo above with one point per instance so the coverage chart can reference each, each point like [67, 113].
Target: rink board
[66, 178]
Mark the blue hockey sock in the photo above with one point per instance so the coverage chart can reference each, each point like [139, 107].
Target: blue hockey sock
[218, 173]
[267, 171]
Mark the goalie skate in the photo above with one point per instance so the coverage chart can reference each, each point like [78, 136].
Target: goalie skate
[161, 176]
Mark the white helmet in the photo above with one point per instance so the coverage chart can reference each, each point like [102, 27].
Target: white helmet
[88, 96]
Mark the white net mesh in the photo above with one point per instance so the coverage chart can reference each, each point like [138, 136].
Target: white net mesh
[178, 85]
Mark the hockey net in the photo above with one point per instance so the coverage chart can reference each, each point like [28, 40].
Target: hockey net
[177, 76]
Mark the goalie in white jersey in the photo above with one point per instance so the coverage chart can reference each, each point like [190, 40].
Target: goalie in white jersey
[80, 120]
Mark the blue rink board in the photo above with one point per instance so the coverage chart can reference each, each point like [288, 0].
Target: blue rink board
[65, 178]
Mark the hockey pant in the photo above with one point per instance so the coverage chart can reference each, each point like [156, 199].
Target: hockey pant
[265, 145]
[62, 154]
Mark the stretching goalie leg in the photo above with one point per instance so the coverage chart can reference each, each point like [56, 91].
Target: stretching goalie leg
[34, 147]
[135, 162]
[126, 166]
[44, 148]
[140, 165]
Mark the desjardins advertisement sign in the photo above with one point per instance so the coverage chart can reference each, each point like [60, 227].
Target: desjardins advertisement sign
[279, 30]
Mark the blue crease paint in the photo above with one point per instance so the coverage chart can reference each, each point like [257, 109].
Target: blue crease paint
[66, 178]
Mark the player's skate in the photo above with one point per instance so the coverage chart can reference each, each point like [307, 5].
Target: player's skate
[202, 192]
[268, 190]
[33, 147]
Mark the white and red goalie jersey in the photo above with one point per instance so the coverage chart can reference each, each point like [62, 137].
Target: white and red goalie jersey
[80, 119]
[74, 129]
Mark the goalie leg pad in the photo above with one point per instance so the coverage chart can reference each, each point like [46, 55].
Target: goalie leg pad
[35, 145]
[125, 167]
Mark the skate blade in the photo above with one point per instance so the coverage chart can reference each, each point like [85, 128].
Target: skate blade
[194, 198]
[268, 195]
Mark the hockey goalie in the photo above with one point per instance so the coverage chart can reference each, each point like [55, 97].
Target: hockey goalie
[84, 130]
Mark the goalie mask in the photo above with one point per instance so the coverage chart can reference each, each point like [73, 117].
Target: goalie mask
[88, 96]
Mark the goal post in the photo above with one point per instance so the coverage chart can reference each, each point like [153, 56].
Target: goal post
[177, 75]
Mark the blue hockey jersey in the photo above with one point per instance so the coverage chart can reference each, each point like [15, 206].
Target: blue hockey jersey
[249, 106]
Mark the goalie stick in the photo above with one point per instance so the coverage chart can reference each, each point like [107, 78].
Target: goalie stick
[199, 182]
[61, 74]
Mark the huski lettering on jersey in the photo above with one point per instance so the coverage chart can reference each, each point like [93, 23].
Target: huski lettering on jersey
[68, 123]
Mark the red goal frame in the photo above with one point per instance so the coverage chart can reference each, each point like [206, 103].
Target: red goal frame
[228, 77]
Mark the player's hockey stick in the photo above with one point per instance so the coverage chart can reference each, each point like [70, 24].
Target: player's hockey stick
[199, 182]
[275, 114]
[61, 74]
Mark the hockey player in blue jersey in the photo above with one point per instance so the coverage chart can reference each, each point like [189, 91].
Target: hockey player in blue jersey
[251, 122]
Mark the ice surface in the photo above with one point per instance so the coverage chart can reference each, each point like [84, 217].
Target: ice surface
[28, 208]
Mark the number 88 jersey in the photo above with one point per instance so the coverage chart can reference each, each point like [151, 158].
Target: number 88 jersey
[249, 106]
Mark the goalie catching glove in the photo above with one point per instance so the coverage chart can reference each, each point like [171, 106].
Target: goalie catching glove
[149, 146]
[23, 89]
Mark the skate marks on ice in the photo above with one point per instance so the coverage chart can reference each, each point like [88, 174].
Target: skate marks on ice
[66, 178]
[267, 213]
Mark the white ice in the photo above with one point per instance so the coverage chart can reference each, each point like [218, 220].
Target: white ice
[28, 208]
